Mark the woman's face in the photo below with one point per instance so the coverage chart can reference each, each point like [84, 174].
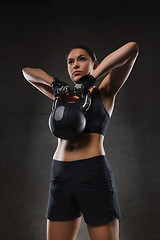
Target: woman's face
[79, 64]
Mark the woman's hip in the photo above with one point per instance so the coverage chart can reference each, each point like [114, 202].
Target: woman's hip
[95, 169]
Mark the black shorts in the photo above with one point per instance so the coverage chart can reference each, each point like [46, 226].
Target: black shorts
[84, 186]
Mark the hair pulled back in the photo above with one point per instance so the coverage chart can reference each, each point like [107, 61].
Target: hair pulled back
[87, 49]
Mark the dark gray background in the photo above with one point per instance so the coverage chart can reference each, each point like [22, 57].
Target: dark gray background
[38, 34]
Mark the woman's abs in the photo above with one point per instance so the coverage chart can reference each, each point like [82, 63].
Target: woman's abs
[86, 146]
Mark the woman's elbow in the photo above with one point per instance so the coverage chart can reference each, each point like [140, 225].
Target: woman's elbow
[25, 74]
[134, 49]
[135, 46]
[24, 69]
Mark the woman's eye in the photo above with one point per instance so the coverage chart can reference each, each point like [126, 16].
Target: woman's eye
[70, 62]
[82, 58]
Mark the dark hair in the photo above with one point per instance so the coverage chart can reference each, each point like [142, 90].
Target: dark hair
[88, 50]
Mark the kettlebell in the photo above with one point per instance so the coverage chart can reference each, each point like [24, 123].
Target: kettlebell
[67, 120]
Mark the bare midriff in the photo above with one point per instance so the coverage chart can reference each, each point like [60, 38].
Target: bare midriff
[86, 146]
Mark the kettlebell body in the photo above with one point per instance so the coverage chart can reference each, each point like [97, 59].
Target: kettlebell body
[67, 120]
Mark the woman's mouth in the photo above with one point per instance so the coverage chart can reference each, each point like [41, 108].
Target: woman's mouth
[76, 73]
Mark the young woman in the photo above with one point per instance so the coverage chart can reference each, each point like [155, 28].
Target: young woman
[82, 181]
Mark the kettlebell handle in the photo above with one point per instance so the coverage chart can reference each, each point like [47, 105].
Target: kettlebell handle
[55, 104]
[87, 102]
[85, 106]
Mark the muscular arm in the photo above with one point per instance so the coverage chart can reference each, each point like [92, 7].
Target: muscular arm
[119, 65]
[39, 79]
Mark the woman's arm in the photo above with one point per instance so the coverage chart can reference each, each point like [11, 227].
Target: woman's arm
[39, 79]
[119, 65]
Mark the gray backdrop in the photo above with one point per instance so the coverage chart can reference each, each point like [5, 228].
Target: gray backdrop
[38, 34]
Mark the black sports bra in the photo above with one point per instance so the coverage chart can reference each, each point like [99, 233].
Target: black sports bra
[97, 117]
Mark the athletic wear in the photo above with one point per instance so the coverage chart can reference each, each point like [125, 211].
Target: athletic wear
[85, 186]
[59, 87]
[84, 84]
[97, 117]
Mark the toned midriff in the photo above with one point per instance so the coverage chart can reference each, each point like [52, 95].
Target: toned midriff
[86, 146]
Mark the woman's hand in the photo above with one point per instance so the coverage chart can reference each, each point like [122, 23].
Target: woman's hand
[84, 84]
[60, 88]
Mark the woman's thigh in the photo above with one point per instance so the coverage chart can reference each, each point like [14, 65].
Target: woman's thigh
[63, 230]
[107, 231]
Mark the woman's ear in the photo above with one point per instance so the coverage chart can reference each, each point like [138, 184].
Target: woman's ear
[95, 65]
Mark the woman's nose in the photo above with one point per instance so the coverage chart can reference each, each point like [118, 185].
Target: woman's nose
[76, 65]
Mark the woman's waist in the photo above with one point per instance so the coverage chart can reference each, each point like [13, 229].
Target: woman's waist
[63, 155]
[87, 147]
